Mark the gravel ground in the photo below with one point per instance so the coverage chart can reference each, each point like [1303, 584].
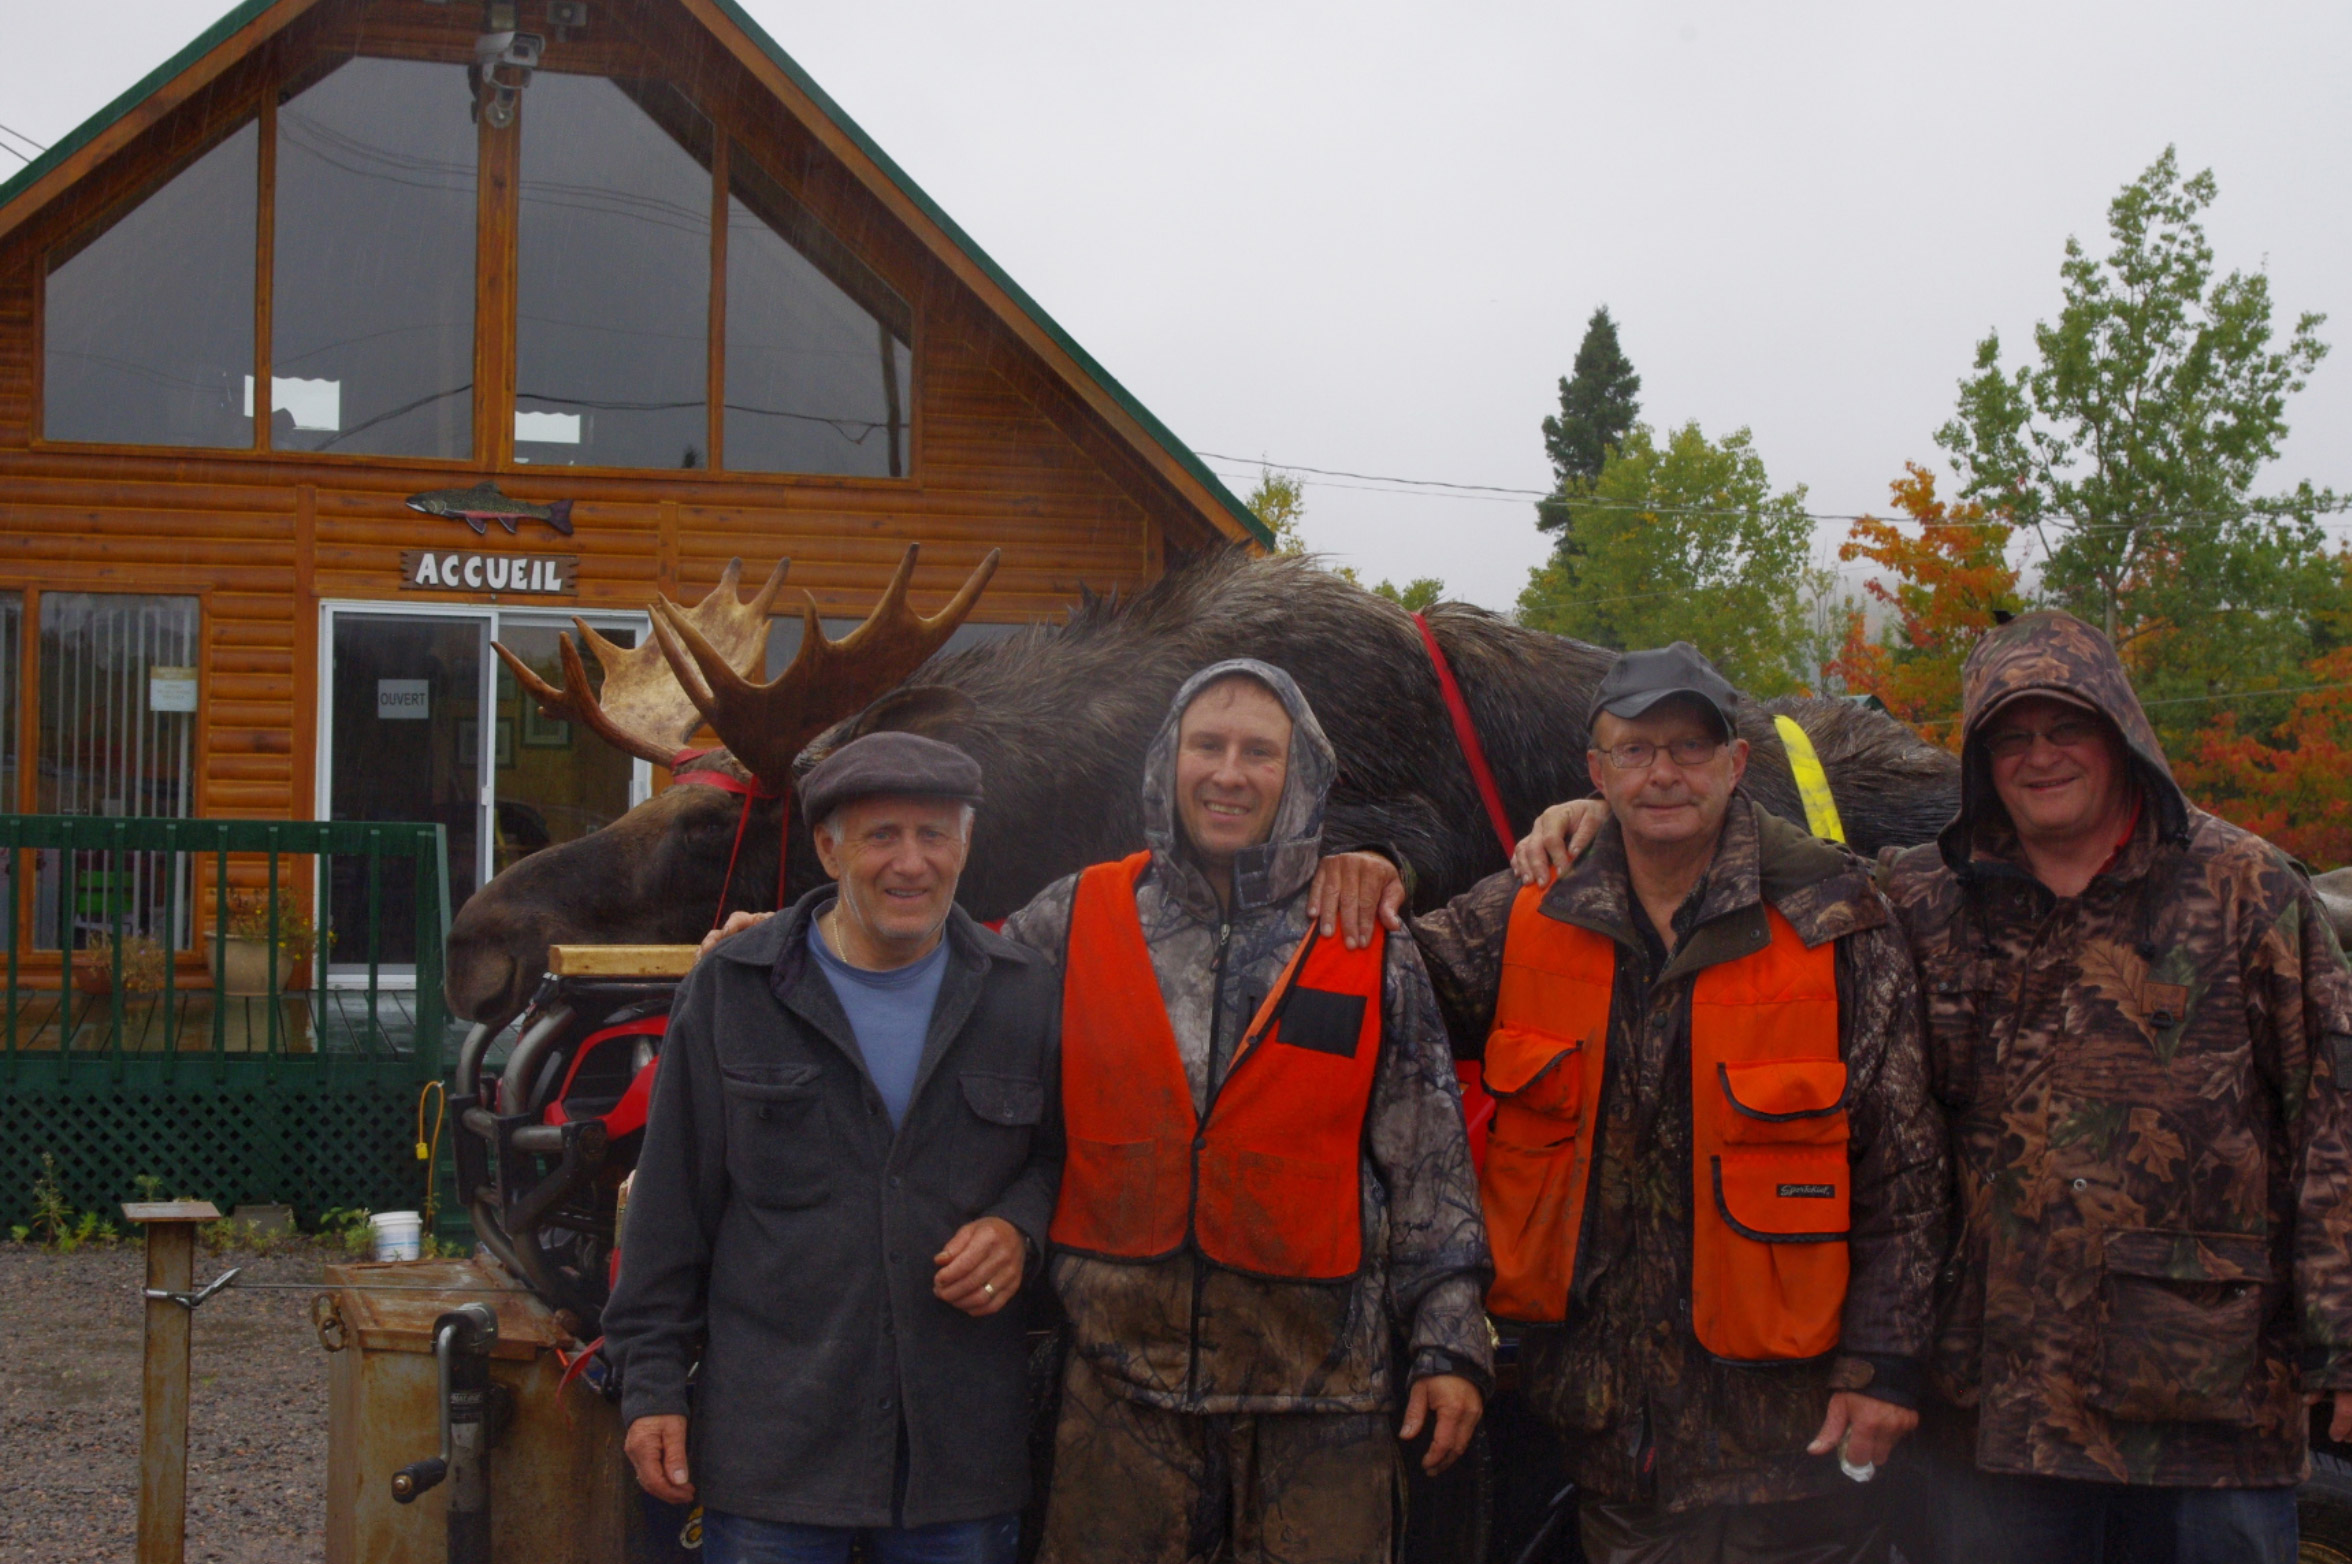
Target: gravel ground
[69, 1410]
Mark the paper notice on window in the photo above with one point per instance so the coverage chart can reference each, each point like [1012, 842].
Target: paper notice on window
[171, 689]
[404, 700]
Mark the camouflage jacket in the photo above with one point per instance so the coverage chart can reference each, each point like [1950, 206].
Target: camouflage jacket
[2151, 1138]
[1188, 1335]
[1649, 1414]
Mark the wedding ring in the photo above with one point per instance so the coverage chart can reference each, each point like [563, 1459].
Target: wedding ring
[988, 1288]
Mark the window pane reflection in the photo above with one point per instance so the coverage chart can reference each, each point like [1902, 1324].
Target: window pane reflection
[372, 320]
[613, 276]
[817, 358]
[147, 324]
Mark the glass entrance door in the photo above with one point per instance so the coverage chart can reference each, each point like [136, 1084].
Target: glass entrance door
[424, 723]
[404, 730]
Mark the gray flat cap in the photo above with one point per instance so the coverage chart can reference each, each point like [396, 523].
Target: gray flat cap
[1639, 680]
[889, 765]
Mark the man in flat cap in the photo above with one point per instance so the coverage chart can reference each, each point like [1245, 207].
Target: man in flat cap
[1715, 1183]
[847, 1176]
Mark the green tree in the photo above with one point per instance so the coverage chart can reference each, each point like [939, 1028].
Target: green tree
[1599, 404]
[1413, 596]
[1685, 541]
[2131, 447]
[1280, 501]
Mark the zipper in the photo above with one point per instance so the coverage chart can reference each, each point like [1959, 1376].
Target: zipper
[1199, 1280]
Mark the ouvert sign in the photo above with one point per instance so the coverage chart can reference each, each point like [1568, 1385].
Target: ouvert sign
[460, 570]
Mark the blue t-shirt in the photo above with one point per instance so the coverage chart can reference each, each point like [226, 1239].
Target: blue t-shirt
[889, 1013]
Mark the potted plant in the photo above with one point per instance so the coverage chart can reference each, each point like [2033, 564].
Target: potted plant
[142, 965]
[245, 953]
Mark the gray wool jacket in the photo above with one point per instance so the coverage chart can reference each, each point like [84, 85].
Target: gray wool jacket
[1187, 1335]
[780, 1232]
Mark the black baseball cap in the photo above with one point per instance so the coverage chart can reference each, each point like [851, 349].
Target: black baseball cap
[1642, 679]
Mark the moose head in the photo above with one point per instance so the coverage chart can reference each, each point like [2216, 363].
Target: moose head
[664, 872]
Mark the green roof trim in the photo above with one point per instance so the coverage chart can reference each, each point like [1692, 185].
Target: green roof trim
[220, 31]
[963, 241]
[90, 129]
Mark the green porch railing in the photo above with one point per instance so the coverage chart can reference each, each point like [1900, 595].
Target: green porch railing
[297, 1092]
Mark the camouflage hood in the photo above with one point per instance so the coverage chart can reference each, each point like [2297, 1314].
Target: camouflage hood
[2055, 654]
[1282, 865]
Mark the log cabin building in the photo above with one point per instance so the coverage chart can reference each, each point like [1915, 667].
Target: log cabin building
[621, 261]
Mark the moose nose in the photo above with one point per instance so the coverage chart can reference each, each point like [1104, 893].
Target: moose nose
[480, 981]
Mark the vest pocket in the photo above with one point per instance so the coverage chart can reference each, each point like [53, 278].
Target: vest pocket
[1537, 1080]
[1773, 1102]
[779, 1148]
[2180, 1326]
[1272, 1215]
[1769, 1263]
[1110, 1194]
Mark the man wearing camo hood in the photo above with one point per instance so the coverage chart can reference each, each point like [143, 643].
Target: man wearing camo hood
[1269, 1181]
[2140, 1026]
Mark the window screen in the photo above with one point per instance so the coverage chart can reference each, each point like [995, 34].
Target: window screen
[147, 323]
[117, 725]
[612, 292]
[372, 291]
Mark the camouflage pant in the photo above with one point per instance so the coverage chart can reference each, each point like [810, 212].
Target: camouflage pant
[1136, 1484]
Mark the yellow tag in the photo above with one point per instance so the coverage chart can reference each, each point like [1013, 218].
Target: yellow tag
[424, 1152]
[1821, 811]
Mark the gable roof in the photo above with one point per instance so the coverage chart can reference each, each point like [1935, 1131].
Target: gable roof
[254, 22]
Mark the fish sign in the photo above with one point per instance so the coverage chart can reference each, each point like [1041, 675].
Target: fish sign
[483, 504]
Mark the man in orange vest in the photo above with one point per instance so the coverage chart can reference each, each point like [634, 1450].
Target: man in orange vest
[1268, 1232]
[1714, 1184]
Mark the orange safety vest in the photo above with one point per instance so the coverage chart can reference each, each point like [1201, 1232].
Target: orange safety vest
[1770, 1177]
[1269, 1185]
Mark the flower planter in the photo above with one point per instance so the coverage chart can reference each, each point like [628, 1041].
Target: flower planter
[245, 966]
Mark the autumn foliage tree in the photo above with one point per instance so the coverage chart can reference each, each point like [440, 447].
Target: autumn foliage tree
[1944, 573]
[2290, 785]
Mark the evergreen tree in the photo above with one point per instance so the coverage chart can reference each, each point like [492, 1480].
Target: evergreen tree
[1598, 406]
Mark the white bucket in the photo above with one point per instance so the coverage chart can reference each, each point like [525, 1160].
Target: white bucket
[399, 1235]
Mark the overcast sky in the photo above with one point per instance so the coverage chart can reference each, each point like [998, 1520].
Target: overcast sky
[1367, 237]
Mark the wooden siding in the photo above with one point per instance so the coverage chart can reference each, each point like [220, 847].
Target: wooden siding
[1004, 452]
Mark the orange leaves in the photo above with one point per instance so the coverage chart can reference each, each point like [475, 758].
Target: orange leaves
[1946, 570]
[2292, 790]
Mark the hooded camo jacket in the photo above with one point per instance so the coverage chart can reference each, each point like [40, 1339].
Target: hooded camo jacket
[1185, 1334]
[1648, 1414]
[2152, 1141]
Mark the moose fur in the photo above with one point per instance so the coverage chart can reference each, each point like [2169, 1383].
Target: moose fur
[1059, 717]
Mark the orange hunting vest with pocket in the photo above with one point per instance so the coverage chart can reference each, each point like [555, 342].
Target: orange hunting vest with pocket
[1269, 1184]
[1770, 1178]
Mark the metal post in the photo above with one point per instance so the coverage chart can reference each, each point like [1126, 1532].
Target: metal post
[163, 1382]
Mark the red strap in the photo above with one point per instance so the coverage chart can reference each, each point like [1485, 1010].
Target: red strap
[748, 792]
[1466, 735]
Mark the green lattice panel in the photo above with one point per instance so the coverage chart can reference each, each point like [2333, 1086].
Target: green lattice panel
[339, 1136]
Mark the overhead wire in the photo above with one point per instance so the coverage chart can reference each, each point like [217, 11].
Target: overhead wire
[1379, 483]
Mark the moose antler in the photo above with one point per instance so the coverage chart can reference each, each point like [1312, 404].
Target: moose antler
[766, 725]
[644, 711]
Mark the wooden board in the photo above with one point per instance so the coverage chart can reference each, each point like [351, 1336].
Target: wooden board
[614, 961]
[390, 1305]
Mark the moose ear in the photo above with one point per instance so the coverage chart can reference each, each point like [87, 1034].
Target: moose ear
[933, 710]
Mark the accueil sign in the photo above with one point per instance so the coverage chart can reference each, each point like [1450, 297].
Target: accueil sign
[459, 570]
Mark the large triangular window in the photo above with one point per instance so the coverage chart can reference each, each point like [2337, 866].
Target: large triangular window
[818, 356]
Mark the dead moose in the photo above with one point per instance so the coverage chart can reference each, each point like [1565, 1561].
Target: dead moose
[1058, 717]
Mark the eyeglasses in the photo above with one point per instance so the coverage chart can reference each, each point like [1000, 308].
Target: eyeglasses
[1638, 756]
[2069, 733]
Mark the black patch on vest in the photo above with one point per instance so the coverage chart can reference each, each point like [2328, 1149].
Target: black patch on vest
[1808, 1192]
[1317, 1018]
